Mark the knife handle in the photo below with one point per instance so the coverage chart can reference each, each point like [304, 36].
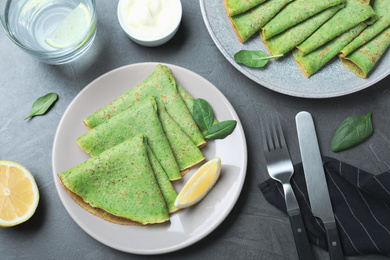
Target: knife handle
[300, 236]
[334, 245]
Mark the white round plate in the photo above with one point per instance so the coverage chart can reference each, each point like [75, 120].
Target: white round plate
[283, 75]
[187, 226]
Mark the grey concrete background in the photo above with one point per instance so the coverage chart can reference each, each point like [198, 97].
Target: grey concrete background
[254, 229]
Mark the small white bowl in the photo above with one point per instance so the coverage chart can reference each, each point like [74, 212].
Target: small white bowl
[149, 42]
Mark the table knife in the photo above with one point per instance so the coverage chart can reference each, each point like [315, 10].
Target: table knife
[316, 182]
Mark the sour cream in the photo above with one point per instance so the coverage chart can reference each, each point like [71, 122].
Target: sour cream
[151, 19]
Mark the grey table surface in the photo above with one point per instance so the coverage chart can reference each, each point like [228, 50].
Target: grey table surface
[254, 229]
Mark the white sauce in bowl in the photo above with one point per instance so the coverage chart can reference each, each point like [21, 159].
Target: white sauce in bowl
[150, 19]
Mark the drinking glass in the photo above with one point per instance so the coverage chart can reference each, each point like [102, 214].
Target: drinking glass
[28, 23]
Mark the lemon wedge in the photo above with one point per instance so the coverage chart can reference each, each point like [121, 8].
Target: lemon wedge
[199, 184]
[71, 28]
[19, 194]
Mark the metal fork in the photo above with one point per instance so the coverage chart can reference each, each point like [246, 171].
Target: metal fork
[280, 168]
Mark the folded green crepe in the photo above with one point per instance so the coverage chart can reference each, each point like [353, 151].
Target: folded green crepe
[312, 62]
[382, 9]
[186, 153]
[139, 119]
[289, 39]
[234, 7]
[351, 15]
[362, 60]
[98, 211]
[121, 182]
[247, 24]
[189, 101]
[187, 98]
[161, 85]
[295, 13]
[169, 193]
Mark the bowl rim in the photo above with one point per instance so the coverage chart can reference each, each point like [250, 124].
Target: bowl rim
[141, 39]
[57, 53]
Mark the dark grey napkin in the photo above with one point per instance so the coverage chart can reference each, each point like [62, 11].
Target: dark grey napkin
[361, 204]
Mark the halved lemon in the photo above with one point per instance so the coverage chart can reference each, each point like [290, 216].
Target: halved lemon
[71, 28]
[19, 194]
[199, 184]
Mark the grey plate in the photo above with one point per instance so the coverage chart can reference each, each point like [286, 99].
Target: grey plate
[284, 76]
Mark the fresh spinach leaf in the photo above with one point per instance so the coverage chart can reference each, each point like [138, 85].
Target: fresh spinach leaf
[203, 114]
[204, 118]
[221, 130]
[254, 59]
[42, 104]
[351, 132]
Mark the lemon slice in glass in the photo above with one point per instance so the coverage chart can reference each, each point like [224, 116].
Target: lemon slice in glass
[199, 184]
[71, 28]
[19, 194]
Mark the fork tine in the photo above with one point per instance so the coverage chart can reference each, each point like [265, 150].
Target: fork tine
[269, 138]
[265, 143]
[281, 135]
[275, 134]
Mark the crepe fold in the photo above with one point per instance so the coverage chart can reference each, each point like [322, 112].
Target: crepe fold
[186, 153]
[351, 15]
[362, 60]
[161, 85]
[247, 24]
[189, 101]
[295, 13]
[121, 182]
[167, 190]
[289, 39]
[382, 9]
[312, 62]
[98, 211]
[234, 7]
[139, 119]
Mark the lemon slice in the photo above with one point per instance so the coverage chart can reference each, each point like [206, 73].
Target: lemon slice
[71, 28]
[199, 184]
[19, 194]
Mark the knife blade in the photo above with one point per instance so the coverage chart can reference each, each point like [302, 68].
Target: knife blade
[317, 187]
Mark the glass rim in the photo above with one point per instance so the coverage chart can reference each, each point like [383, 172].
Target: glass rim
[63, 51]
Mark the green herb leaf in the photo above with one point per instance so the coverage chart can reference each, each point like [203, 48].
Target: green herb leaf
[221, 130]
[254, 59]
[351, 132]
[203, 114]
[42, 104]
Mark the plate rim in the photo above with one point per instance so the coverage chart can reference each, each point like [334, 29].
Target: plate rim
[274, 87]
[243, 171]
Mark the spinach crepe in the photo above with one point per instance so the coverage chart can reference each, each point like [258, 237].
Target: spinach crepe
[247, 24]
[168, 192]
[139, 119]
[98, 211]
[186, 153]
[382, 9]
[351, 15]
[362, 60]
[234, 7]
[312, 62]
[121, 182]
[161, 85]
[289, 39]
[187, 99]
[295, 13]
